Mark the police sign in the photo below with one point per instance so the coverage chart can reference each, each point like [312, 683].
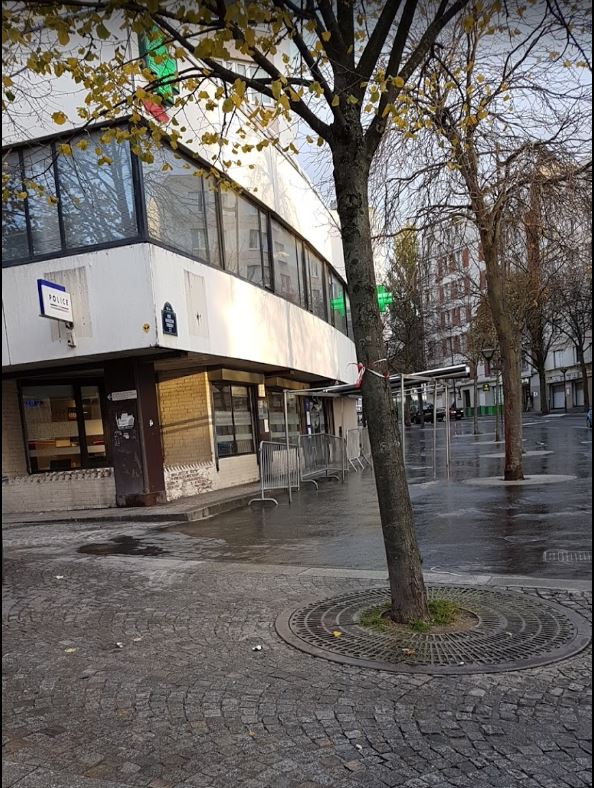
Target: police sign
[54, 301]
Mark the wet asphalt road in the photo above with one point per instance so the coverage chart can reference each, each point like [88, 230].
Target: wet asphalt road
[501, 530]
[540, 531]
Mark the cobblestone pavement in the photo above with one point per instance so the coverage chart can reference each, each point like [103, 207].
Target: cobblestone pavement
[139, 671]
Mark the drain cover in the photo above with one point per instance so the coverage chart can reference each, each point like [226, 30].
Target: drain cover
[512, 632]
[569, 556]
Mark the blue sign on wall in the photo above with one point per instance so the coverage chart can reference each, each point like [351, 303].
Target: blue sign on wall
[169, 320]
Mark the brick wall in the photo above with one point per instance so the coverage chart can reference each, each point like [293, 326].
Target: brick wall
[184, 413]
[14, 462]
[93, 488]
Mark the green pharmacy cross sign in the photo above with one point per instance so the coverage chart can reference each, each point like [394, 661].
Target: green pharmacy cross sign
[384, 298]
[159, 62]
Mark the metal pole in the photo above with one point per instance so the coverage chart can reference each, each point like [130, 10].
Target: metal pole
[286, 409]
[403, 436]
[447, 427]
[497, 431]
[435, 430]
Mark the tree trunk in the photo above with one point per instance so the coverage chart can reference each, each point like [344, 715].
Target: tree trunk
[584, 370]
[351, 176]
[511, 364]
[407, 409]
[542, 382]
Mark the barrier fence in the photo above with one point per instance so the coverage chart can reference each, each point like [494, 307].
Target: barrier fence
[322, 456]
[279, 469]
[358, 448]
[319, 456]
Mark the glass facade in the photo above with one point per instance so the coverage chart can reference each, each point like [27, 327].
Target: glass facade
[64, 427]
[181, 206]
[77, 203]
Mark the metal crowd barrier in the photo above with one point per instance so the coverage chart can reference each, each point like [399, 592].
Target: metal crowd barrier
[279, 469]
[358, 448]
[322, 456]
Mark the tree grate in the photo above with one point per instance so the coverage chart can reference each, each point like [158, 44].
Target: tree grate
[568, 556]
[513, 631]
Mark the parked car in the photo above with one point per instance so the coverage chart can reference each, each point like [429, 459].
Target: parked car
[428, 414]
[456, 413]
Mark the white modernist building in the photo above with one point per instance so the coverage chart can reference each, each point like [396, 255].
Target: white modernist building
[193, 308]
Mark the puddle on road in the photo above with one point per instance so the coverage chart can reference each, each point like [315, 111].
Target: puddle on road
[121, 545]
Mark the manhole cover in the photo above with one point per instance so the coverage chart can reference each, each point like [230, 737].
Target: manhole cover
[512, 632]
[568, 556]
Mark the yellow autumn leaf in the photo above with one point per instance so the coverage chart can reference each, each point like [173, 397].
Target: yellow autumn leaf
[326, 36]
[59, 118]
[335, 101]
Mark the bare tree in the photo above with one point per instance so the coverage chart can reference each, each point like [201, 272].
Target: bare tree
[345, 67]
[483, 106]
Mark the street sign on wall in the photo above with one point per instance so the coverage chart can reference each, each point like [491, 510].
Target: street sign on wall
[54, 301]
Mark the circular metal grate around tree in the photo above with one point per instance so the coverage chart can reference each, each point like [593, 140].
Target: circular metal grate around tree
[511, 631]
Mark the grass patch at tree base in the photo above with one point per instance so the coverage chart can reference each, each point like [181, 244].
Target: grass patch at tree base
[445, 616]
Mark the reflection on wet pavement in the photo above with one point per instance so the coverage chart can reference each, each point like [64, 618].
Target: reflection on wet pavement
[494, 530]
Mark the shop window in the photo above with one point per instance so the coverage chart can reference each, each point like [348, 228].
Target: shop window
[64, 427]
[181, 206]
[245, 237]
[234, 421]
[276, 415]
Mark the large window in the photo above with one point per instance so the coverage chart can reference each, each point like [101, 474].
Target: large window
[64, 427]
[337, 301]
[15, 244]
[71, 202]
[97, 200]
[181, 206]
[245, 236]
[288, 266]
[315, 272]
[234, 422]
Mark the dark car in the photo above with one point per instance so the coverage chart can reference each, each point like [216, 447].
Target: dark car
[456, 413]
[428, 415]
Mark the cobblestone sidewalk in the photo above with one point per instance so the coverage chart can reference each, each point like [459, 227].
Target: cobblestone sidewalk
[140, 672]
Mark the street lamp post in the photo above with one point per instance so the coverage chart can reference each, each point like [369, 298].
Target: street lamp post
[563, 371]
[488, 354]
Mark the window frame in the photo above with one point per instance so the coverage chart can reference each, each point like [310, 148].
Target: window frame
[77, 386]
[251, 397]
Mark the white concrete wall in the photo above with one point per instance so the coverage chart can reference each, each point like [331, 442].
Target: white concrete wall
[117, 299]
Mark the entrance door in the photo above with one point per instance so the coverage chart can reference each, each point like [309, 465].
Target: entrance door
[558, 395]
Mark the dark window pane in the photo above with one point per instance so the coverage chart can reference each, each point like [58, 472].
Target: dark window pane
[97, 199]
[287, 264]
[212, 223]
[91, 403]
[244, 243]
[242, 417]
[337, 303]
[50, 414]
[180, 206]
[15, 245]
[315, 269]
[223, 421]
[43, 213]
